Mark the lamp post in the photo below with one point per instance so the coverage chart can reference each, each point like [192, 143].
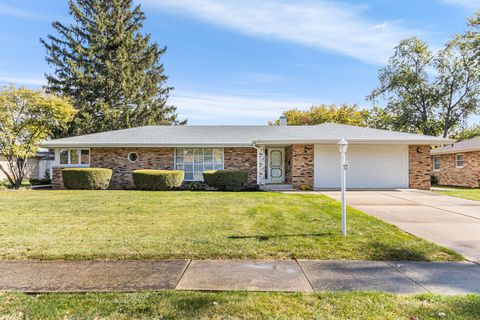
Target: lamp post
[342, 147]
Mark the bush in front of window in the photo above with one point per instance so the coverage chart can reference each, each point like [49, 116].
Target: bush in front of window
[86, 178]
[158, 180]
[226, 180]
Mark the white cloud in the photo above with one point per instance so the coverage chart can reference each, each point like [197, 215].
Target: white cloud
[469, 4]
[200, 108]
[17, 12]
[336, 26]
[36, 81]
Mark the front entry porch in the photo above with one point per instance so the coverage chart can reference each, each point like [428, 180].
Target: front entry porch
[274, 167]
[284, 166]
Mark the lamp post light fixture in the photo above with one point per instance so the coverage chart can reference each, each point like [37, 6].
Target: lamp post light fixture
[342, 147]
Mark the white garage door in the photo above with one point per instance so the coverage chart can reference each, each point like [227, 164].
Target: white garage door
[370, 167]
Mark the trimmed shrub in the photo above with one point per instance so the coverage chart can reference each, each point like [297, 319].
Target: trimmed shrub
[226, 180]
[86, 178]
[305, 187]
[43, 181]
[158, 179]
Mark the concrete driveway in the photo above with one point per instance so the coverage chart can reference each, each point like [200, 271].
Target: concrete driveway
[448, 221]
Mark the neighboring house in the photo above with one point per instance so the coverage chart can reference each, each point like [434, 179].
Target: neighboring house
[294, 155]
[458, 164]
[38, 167]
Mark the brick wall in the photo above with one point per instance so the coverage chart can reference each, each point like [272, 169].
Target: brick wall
[468, 176]
[302, 165]
[419, 167]
[243, 159]
[57, 179]
[116, 159]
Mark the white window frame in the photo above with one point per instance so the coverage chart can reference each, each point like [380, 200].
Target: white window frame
[439, 163]
[69, 164]
[456, 160]
[203, 160]
[128, 157]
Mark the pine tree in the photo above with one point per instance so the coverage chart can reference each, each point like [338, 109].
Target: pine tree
[108, 67]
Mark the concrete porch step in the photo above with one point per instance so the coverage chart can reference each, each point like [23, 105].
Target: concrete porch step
[277, 187]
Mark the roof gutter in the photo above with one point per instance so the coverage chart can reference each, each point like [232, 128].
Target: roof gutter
[357, 141]
[460, 150]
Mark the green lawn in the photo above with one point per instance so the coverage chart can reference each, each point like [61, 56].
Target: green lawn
[467, 193]
[202, 225]
[237, 305]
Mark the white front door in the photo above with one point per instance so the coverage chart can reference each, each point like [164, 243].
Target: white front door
[276, 165]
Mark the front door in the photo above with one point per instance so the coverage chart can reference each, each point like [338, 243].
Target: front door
[276, 165]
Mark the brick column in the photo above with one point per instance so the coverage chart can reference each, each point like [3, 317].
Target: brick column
[57, 179]
[302, 165]
[419, 167]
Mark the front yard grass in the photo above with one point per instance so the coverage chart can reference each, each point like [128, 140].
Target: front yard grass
[196, 225]
[467, 193]
[237, 305]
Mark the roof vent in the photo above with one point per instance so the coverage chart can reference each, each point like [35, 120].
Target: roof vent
[283, 120]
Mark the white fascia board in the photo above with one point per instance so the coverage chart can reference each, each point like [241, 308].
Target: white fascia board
[141, 145]
[356, 141]
[460, 150]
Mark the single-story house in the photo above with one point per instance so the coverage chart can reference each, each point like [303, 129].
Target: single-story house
[292, 155]
[457, 164]
[38, 167]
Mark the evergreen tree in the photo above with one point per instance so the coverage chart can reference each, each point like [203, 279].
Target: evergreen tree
[109, 69]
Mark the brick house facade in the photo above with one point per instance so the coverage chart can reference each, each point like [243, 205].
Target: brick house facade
[271, 155]
[450, 175]
[299, 164]
[299, 168]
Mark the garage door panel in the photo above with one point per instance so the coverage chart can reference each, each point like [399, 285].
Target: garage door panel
[369, 166]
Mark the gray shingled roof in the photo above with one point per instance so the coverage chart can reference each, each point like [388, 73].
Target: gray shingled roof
[461, 146]
[150, 136]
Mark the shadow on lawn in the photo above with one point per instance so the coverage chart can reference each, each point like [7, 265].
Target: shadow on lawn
[383, 251]
[277, 236]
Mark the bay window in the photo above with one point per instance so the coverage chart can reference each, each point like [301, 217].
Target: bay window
[194, 161]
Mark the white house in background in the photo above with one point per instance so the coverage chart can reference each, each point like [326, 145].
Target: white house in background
[272, 155]
[39, 167]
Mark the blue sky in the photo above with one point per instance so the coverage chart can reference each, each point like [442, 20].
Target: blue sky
[245, 61]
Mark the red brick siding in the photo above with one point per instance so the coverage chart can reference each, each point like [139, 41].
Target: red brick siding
[57, 179]
[449, 175]
[116, 159]
[302, 165]
[419, 167]
[243, 159]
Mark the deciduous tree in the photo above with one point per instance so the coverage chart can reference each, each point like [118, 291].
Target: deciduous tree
[27, 117]
[430, 93]
[343, 114]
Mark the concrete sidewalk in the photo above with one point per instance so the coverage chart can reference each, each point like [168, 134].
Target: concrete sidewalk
[252, 275]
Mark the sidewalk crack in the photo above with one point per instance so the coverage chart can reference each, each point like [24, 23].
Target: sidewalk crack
[305, 275]
[400, 271]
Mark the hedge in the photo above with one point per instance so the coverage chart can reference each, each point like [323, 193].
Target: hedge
[157, 179]
[226, 180]
[86, 178]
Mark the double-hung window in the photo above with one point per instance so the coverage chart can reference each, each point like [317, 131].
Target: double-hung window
[74, 157]
[459, 160]
[194, 161]
[436, 163]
